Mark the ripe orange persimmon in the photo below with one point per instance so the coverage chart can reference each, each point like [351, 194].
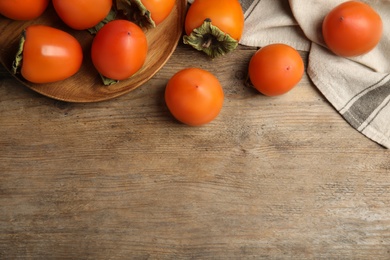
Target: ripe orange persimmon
[82, 14]
[214, 26]
[47, 55]
[275, 69]
[159, 9]
[194, 96]
[119, 50]
[23, 9]
[146, 13]
[352, 28]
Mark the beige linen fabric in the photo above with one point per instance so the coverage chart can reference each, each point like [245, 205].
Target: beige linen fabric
[359, 87]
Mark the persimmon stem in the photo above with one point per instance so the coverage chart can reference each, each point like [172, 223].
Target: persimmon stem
[207, 43]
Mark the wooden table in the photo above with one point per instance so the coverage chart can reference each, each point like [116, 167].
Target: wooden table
[270, 178]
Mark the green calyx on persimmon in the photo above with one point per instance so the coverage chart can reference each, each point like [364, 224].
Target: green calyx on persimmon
[136, 12]
[211, 40]
[145, 13]
[214, 26]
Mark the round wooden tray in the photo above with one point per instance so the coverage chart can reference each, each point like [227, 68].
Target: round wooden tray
[86, 85]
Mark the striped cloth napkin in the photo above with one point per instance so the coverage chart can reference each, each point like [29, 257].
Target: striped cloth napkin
[359, 87]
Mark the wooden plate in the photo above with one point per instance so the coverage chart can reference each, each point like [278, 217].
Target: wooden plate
[86, 85]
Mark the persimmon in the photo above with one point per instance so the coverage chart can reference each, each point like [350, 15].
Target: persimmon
[47, 55]
[194, 96]
[214, 26]
[119, 50]
[82, 14]
[275, 69]
[146, 13]
[352, 28]
[23, 9]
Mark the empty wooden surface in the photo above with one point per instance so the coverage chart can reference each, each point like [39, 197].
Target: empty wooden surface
[270, 178]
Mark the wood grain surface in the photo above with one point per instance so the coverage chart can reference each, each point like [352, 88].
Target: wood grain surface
[270, 178]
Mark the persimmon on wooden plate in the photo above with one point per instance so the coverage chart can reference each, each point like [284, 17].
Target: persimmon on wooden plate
[86, 85]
